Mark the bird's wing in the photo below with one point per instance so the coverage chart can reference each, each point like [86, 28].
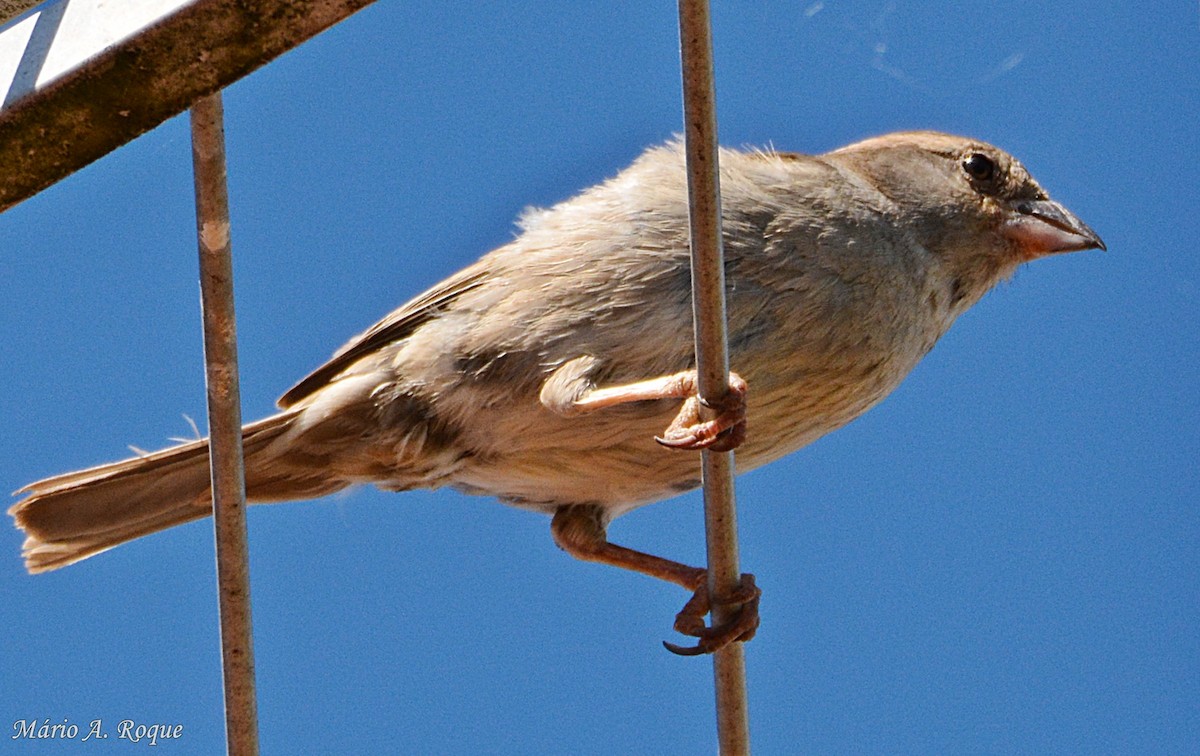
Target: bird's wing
[397, 325]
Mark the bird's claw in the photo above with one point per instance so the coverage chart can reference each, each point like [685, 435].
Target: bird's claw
[690, 620]
[724, 432]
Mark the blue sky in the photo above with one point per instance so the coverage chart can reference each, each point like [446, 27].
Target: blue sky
[1001, 558]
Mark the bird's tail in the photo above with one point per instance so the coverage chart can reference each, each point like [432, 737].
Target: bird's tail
[73, 516]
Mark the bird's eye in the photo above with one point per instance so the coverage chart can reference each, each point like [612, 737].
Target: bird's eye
[980, 167]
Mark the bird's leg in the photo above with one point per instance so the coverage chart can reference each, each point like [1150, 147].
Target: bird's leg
[580, 531]
[570, 390]
[690, 619]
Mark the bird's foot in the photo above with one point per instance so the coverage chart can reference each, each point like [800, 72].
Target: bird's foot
[724, 432]
[690, 620]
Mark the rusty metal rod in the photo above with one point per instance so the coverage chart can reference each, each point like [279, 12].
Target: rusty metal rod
[712, 356]
[10, 9]
[224, 425]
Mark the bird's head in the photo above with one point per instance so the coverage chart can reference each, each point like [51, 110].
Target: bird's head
[972, 204]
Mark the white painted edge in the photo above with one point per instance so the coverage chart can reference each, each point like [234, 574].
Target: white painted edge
[61, 37]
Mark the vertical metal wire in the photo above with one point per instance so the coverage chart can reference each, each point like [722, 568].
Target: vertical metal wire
[712, 356]
[224, 425]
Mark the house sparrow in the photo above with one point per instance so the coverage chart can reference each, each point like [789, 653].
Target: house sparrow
[545, 373]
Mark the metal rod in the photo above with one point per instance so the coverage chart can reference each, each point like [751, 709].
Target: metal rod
[712, 356]
[224, 425]
[10, 9]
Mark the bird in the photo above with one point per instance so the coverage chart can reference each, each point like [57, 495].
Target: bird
[557, 373]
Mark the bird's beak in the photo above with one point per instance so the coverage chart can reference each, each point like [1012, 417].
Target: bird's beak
[1044, 227]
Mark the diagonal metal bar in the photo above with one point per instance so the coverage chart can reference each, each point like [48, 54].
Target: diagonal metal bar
[224, 425]
[712, 357]
[79, 78]
[10, 9]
